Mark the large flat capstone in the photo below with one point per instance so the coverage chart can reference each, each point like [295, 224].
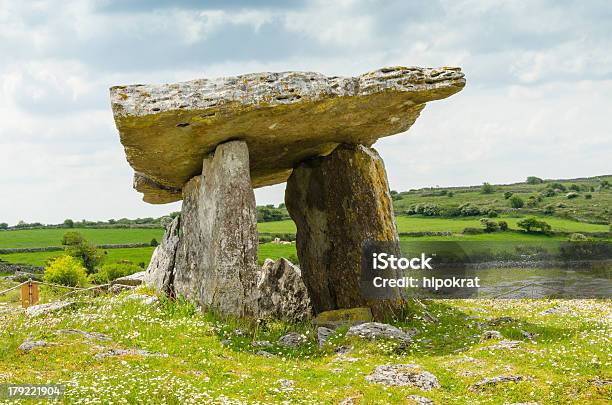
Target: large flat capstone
[284, 118]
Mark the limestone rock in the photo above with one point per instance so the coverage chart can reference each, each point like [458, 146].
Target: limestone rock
[505, 344]
[403, 375]
[338, 203]
[131, 280]
[282, 293]
[291, 339]
[417, 399]
[375, 331]
[160, 272]
[41, 309]
[343, 317]
[118, 288]
[216, 259]
[323, 334]
[489, 382]
[128, 352]
[85, 334]
[168, 129]
[29, 345]
[143, 298]
[491, 334]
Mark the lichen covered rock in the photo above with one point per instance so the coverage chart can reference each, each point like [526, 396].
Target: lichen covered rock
[160, 272]
[281, 290]
[338, 203]
[285, 118]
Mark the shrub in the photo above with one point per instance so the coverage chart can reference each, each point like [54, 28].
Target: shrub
[472, 231]
[487, 188]
[557, 186]
[88, 254]
[65, 270]
[571, 195]
[489, 226]
[468, 210]
[503, 225]
[508, 194]
[534, 180]
[452, 211]
[516, 202]
[69, 223]
[450, 194]
[548, 192]
[533, 225]
[549, 210]
[574, 187]
[72, 238]
[4, 225]
[110, 272]
[154, 242]
[561, 205]
[588, 196]
[492, 213]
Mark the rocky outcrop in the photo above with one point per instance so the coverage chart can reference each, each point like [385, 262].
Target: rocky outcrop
[281, 290]
[43, 309]
[160, 272]
[285, 118]
[216, 259]
[338, 203]
[404, 375]
[132, 280]
[375, 331]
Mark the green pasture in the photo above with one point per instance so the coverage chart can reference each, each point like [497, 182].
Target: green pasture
[53, 237]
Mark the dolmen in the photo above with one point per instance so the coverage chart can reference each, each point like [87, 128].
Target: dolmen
[210, 142]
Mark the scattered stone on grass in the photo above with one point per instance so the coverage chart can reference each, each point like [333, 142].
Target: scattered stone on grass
[404, 375]
[376, 330]
[87, 335]
[601, 382]
[493, 381]
[41, 309]
[323, 334]
[491, 334]
[29, 345]
[143, 298]
[285, 384]
[131, 280]
[529, 335]
[557, 309]
[343, 349]
[502, 320]
[128, 352]
[420, 400]
[118, 288]
[291, 339]
[505, 344]
[266, 354]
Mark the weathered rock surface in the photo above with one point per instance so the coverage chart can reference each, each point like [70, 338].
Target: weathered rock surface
[504, 344]
[128, 352]
[491, 334]
[143, 298]
[30, 345]
[41, 309]
[216, 259]
[131, 280]
[291, 339]
[417, 399]
[343, 317]
[323, 334]
[375, 331]
[282, 293]
[118, 288]
[285, 118]
[404, 374]
[160, 272]
[490, 382]
[338, 202]
[85, 334]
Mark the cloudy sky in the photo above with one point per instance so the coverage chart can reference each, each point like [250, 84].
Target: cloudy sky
[538, 99]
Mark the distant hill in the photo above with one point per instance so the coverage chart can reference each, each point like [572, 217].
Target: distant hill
[582, 199]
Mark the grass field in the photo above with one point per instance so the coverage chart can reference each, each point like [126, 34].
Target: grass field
[53, 237]
[207, 360]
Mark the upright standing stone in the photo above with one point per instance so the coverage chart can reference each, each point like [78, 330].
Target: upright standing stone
[160, 272]
[338, 202]
[216, 260]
